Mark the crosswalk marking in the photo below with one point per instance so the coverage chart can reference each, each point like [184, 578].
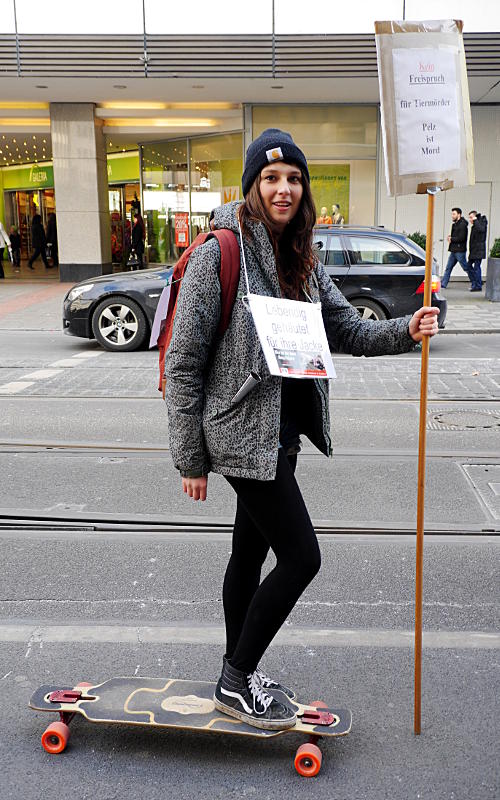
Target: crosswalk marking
[15, 386]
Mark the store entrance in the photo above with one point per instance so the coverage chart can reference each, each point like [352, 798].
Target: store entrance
[20, 208]
[123, 200]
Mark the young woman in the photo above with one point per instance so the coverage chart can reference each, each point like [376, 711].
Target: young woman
[254, 442]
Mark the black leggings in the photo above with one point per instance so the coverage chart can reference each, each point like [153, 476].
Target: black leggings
[269, 514]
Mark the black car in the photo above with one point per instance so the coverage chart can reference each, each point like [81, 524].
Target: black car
[380, 272]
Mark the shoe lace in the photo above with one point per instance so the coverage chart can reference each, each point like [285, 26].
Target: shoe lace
[258, 693]
[265, 681]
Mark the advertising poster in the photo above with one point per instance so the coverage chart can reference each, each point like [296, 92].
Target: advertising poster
[293, 337]
[330, 186]
[181, 224]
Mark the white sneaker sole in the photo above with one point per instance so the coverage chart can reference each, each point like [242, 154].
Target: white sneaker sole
[255, 722]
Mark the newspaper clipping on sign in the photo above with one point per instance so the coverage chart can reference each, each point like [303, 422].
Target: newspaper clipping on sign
[293, 337]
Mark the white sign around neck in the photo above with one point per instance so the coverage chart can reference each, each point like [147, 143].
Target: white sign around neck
[293, 337]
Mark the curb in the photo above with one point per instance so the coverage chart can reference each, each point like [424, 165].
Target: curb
[469, 330]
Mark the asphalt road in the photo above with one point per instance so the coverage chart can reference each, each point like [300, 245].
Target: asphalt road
[91, 606]
[83, 435]
[76, 420]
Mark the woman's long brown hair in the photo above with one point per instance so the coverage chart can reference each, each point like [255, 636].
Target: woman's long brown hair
[293, 250]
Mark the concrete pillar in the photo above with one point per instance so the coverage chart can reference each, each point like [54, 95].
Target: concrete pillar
[81, 189]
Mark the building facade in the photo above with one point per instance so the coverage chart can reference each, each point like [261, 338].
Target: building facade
[161, 122]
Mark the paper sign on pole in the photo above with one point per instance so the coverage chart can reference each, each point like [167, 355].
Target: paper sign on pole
[293, 337]
[424, 94]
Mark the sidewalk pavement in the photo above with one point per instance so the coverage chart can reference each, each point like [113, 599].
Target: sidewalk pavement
[469, 312]
[36, 305]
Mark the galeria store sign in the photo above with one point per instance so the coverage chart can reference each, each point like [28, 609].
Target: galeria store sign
[35, 176]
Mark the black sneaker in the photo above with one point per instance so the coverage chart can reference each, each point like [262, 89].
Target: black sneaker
[274, 686]
[242, 696]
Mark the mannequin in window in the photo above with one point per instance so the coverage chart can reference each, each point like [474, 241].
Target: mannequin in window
[324, 219]
[337, 218]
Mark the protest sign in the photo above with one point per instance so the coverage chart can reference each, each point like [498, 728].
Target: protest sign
[427, 139]
[293, 337]
[424, 95]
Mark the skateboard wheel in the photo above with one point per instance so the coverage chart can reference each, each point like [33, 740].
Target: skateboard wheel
[82, 685]
[318, 704]
[308, 760]
[55, 738]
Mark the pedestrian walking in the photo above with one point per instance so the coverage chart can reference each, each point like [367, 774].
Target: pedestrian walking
[457, 246]
[51, 237]
[4, 242]
[138, 236]
[15, 243]
[253, 439]
[38, 242]
[477, 248]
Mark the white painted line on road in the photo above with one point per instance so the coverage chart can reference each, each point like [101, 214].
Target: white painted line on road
[65, 362]
[15, 386]
[43, 373]
[75, 360]
[215, 634]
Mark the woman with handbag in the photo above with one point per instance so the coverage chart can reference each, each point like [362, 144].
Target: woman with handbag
[138, 236]
[253, 437]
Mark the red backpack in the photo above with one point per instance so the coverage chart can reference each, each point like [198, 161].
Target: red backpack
[229, 279]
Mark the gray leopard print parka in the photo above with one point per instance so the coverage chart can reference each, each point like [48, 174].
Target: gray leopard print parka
[203, 371]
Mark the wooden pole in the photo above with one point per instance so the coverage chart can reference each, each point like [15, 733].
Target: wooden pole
[421, 467]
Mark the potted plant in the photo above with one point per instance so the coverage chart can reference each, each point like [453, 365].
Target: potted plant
[493, 275]
[418, 238]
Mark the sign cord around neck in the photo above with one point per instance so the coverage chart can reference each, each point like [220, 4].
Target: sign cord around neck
[243, 255]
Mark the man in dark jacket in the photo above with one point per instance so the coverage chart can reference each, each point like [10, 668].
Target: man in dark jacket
[38, 242]
[477, 248]
[457, 247]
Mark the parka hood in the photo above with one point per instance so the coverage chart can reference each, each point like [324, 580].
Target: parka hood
[226, 217]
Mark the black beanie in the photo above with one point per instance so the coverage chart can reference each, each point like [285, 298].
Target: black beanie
[272, 145]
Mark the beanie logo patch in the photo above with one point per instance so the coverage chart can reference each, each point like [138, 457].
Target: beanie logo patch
[274, 155]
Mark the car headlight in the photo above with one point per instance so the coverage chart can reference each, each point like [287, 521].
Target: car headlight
[78, 290]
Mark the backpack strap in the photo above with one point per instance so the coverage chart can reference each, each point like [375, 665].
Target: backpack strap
[229, 274]
[229, 280]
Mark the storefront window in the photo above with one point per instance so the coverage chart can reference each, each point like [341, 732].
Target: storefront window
[166, 199]
[340, 144]
[174, 217]
[216, 167]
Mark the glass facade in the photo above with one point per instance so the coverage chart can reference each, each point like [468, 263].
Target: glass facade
[340, 144]
[178, 199]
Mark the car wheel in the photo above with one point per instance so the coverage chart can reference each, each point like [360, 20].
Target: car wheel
[368, 309]
[119, 324]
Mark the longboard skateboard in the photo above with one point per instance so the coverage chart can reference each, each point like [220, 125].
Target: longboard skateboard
[178, 704]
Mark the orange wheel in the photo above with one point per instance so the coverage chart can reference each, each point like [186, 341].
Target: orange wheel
[55, 738]
[308, 760]
[83, 685]
[318, 704]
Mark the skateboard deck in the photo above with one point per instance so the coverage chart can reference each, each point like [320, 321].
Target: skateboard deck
[171, 703]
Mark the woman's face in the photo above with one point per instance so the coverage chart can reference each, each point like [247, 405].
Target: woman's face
[281, 191]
